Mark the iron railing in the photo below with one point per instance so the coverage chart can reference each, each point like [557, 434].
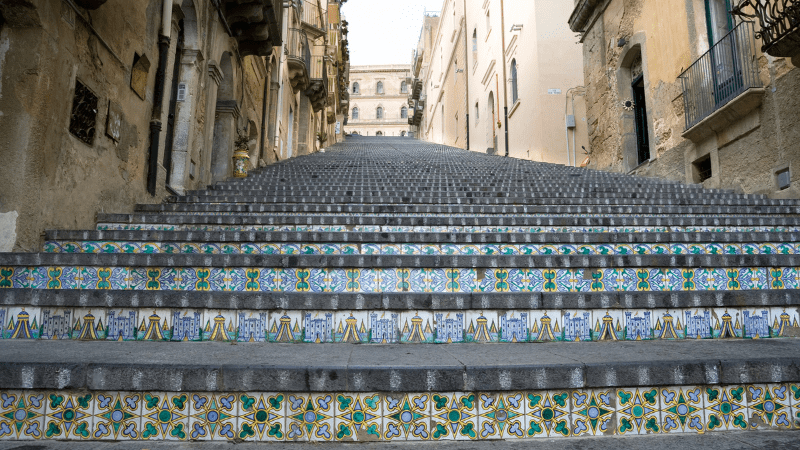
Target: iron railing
[297, 46]
[312, 16]
[727, 70]
[779, 21]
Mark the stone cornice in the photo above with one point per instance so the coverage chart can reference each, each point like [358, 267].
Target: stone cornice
[215, 73]
[580, 16]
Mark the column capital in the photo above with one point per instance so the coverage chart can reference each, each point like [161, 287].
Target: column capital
[229, 107]
[215, 73]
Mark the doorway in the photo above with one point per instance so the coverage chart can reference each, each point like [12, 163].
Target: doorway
[640, 120]
[291, 134]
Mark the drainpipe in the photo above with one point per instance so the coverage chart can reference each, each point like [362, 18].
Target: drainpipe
[505, 75]
[466, 67]
[158, 96]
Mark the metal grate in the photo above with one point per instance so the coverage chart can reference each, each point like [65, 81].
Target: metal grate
[703, 169]
[83, 120]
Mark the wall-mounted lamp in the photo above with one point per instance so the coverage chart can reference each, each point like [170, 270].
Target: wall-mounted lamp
[516, 27]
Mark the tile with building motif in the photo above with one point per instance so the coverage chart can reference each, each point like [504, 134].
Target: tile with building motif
[219, 325]
[318, 326]
[513, 326]
[310, 417]
[165, 416]
[22, 415]
[769, 407]
[383, 327]
[252, 326]
[286, 326]
[117, 416]
[55, 323]
[407, 417]
[260, 416]
[725, 408]
[450, 326]
[698, 323]
[501, 415]
[593, 412]
[358, 417]
[682, 409]
[547, 414]
[755, 323]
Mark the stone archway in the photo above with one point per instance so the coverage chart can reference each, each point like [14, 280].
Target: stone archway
[632, 88]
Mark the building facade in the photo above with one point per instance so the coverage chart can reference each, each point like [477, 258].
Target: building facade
[503, 77]
[683, 89]
[108, 103]
[379, 100]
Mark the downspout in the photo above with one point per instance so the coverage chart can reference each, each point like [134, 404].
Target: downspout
[158, 97]
[505, 75]
[466, 67]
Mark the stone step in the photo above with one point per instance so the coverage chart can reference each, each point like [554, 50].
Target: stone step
[409, 248]
[399, 273]
[508, 199]
[521, 221]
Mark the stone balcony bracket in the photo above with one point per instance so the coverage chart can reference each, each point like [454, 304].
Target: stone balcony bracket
[719, 122]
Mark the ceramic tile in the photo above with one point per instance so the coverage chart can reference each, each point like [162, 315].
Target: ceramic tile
[682, 409]
[768, 406]
[668, 324]
[449, 327]
[352, 327]
[417, 327]
[22, 323]
[156, 326]
[454, 416]
[121, 325]
[547, 414]
[513, 326]
[785, 322]
[501, 415]
[260, 416]
[219, 325]
[186, 325]
[358, 417]
[725, 408]
[56, 323]
[727, 323]
[117, 416]
[69, 416]
[481, 326]
[576, 325]
[407, 417]
[698, 323]
[286, 326]
[22, 415]
[549, 326]
[593, 412]
[756, 323]
[638, 411]
[165, 416]
[318, 326]
[252, 326]
[310, 417]
[794, 401]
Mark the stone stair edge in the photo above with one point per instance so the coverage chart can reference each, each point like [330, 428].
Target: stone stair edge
[100, 366]
[396, 261]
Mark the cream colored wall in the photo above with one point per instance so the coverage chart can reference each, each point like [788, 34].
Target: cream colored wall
[368, 100]
[548, 57]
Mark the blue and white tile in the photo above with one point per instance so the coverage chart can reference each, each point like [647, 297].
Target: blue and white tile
[638, 411]
[501, 415]
[454, 416]
[407, 417]
[117, 416]
[593, 412]
[22, 415]
[514, 326]
[310, 417]
[548, 414]
[682, 409]
[358, 417]
[725, 408]
[165, 416]
[260, 416]
[769, 407]
[213, 416]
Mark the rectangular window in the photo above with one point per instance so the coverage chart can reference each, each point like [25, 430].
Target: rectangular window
[702, 169]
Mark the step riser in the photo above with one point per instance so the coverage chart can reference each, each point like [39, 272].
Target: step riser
[396, 327]
[311, 248]
[453, 280]
[340, 416]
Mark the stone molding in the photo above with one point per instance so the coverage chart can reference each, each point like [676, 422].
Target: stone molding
[215, 73]
[721, 119]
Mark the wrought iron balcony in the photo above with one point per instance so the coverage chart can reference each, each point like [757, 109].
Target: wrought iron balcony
[779, 21]
[314, 18]
[317, 90]
[726, 71]
[299, 59]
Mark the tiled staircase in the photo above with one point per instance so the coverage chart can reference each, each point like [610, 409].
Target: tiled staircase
[395, 290]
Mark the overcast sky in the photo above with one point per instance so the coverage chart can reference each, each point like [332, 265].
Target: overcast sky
[385, 31]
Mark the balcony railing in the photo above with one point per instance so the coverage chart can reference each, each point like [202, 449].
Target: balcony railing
[779, 21]
[727, 70]
[312, 16]
[297, 45]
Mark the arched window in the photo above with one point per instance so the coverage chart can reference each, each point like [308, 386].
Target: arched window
[404, 113]
[403, 133]
[379, 133]
[474, 46]
[379, 113]
[356, 88]
[355, 113]
[403, 87]
[379, 89]
[514, 83]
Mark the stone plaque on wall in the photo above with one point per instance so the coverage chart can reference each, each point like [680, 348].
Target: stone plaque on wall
[114, 122]
[139, 71]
